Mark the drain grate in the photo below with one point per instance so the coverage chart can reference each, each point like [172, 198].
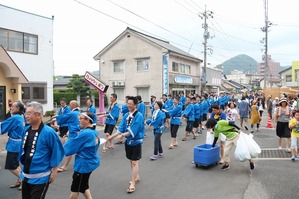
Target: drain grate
[274, 154]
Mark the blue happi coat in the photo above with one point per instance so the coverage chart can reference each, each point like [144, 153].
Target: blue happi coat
[14, 126]
[157, 121]
[72, 121]
[85, 145]
[133, 123]
[175, 114]
[113, 115]
[48, 154]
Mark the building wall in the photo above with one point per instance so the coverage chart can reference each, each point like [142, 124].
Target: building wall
[129, 49]
[295, 71]
[145, 83]
[37, 68]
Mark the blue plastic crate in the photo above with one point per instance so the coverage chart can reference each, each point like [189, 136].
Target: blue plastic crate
[206, 155]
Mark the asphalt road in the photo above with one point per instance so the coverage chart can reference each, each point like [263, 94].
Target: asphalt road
[174, 176]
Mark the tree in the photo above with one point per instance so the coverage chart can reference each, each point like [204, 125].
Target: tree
[78, 85]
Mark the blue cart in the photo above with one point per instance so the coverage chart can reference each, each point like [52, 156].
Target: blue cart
[206, 155]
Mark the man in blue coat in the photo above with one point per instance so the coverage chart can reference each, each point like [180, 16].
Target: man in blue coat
[111, 119]
[40, 154]
[132, 128]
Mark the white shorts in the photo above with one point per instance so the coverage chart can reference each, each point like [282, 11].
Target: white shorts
[294, 142]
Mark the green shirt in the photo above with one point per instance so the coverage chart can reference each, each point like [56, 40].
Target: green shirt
[223, 127]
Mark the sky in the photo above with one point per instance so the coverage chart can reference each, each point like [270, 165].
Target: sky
[82, 28]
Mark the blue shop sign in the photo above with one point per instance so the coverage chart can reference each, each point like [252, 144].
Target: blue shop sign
[183, 80]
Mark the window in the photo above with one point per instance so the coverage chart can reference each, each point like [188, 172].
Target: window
[188, 69]
[18, 41]
[288, 78]
[4, 38]
[182, 68]
[30, 43]
[38, 92]
[142, 64]
[118, 66]
[25, 93]
[143, 92]
[34, 92]
[120, 92]
[175, 67]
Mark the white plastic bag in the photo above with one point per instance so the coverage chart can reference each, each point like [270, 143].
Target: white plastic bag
[242, 153]
[253, 147]
[210, 138]
[222, 137]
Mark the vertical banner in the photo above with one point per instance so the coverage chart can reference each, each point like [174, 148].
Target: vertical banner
[165, 75]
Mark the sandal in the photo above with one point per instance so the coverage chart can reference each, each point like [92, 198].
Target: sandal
[184, 139]
[136, 181]
[171, 146]
[61, 169]
[131, 189]
[119, 142]
[18, 183]
[104, 150]
[110, 147]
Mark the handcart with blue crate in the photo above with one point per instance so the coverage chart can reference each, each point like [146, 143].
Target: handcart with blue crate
[206, 155]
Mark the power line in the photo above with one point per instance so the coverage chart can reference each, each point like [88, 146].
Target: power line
[151, 22]
[117, 19]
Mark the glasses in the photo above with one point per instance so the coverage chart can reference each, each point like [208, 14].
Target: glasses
[30, 113]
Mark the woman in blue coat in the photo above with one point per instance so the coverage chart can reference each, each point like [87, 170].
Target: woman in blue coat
[157, 122]
[175, 115]
[85, 145]
[14, 126]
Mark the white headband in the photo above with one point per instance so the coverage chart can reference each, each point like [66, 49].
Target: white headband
[87, 116]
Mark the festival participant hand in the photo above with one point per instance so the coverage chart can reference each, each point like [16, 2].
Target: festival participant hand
[53, 175]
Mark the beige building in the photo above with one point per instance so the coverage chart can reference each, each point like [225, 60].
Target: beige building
[11, 80]
[138, 64]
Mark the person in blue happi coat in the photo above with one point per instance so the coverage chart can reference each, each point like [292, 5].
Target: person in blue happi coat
[175, 115]
[111, 119]
[132, 128]
[71, 120]
[40, 154]
[85, 145]
[14, 126]
[157, 122]
[188, 114]
[93, 110]
[63, 128]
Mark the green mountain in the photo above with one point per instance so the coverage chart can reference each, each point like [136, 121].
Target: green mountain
[243, 63]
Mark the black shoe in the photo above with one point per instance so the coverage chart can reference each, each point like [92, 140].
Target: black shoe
[246, 128]
[225, 167]
[252, 131]
[251, 165]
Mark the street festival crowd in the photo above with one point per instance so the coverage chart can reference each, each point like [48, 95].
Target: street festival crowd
[35, 148]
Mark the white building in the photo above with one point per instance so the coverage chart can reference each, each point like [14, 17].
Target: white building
[138, 64]
[28, 40]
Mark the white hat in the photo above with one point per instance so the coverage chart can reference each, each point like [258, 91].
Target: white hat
[283, 100]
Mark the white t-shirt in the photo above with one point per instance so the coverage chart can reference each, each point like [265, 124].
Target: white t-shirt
[231, 114]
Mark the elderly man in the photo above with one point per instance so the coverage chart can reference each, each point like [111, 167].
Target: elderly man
[40, 155]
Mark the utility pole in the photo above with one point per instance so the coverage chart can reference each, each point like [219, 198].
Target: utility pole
[266, 30]
[206, 35]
